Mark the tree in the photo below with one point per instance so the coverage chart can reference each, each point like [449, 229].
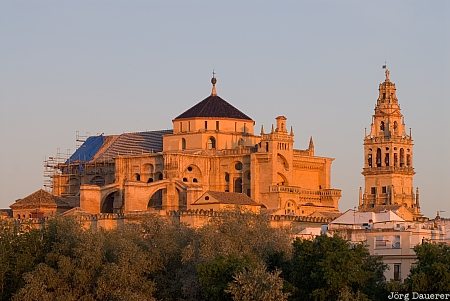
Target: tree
[228, 243]
[88, 265]
[21, 250]
[432, 271]
[215, 275]
[329, 267]
[257, 284]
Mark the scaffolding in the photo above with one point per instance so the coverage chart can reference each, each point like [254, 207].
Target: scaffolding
[52, 168]
[63, 177]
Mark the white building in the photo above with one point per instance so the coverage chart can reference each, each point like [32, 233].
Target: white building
[388, 235]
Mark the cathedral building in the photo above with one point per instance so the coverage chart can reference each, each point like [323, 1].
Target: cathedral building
[388, 166]
[211, 159]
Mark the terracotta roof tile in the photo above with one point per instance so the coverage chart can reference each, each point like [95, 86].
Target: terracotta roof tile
[40, 198]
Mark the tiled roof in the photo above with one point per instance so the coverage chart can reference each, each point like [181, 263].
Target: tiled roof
[231, 198]
[213, 106]
[133, 143]
[105, 148]
[40, 198]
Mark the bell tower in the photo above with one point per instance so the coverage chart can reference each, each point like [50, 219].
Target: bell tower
[388, 157]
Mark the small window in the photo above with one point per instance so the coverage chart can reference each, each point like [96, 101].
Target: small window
[137, 177]
[206, 125]
[160, 176]
[181, 126]
[397, 271]
[211, 143]
[185, 179]
[183, 143]
[384, 95]
[382, 126]
[150, 180]
[189, 168]
[227, 177]
[384, 189]
[217, 125]
[373, 190]
[207, 198]
[378, 157]
[195, 180]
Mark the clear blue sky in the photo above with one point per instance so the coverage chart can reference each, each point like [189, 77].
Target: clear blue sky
[121, 66]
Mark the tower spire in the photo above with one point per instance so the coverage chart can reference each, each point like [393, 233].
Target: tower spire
[213, 82]
[311, 143]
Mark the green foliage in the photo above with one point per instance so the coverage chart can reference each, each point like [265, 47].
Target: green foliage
[215, 275]
[431, 273]
[19, 254]
[88, 265]
[326, 268]
[257, 284]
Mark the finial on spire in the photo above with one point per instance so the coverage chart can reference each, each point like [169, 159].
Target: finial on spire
[292, 131]
[262, 129]
[272, 129]
[387, 72]
[213, 82]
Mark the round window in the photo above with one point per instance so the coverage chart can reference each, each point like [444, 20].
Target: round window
[189, 168]
[238, 166]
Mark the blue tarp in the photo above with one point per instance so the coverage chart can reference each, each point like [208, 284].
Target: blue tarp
[87, 150]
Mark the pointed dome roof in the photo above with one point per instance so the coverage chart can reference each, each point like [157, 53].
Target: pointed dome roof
[213, 106]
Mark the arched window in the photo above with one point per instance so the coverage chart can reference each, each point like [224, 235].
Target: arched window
[395, 125]
[369, 160]
[386, 159]
[408, 160]
[137, 177]
[378, 157]
[211, 143]
[395, 159]
[158, 176]
[183, 143]
[402, 157]
[289, 209]
[382, 126]
[238, 185]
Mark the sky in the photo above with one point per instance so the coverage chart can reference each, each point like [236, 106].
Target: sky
[123, 66]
